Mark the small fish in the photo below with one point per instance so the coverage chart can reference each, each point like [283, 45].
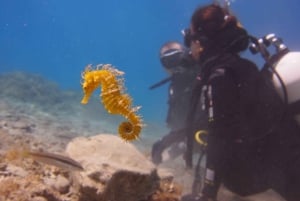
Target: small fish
[57, 160]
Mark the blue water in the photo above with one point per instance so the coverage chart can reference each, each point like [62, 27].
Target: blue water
[58, 38]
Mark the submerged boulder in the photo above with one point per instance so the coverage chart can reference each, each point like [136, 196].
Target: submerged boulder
[114, 170]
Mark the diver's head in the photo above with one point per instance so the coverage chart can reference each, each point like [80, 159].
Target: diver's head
[175, 58]
[214, 29]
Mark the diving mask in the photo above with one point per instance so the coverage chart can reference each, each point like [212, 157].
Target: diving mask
[176, 60]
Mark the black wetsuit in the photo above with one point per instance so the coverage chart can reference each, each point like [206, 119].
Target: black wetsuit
[180, 92]
[253, 145]
[179, 96]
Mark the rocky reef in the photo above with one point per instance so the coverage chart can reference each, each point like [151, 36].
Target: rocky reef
[113, 170]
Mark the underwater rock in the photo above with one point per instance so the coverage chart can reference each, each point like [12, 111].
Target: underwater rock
[125, 185]
[16, 171]
[114, 170]
[39, 198]
[22, 178]
[168, 191]
[60, 183]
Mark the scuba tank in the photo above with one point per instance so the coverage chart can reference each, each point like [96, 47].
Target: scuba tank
[288, 68]
[283, 67]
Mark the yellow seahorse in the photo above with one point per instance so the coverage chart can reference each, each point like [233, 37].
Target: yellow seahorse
[114, 99]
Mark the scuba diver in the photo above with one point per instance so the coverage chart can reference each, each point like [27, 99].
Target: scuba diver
[177, 61]
[253, 141]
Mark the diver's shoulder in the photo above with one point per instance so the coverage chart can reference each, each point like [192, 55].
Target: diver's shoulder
[246, 65]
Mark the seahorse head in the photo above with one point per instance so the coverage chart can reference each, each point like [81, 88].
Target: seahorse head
[89, 84]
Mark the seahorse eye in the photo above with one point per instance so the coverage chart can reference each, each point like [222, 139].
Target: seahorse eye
[84, 86]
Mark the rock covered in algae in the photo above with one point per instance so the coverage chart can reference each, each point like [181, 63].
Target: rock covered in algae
[114, 170]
